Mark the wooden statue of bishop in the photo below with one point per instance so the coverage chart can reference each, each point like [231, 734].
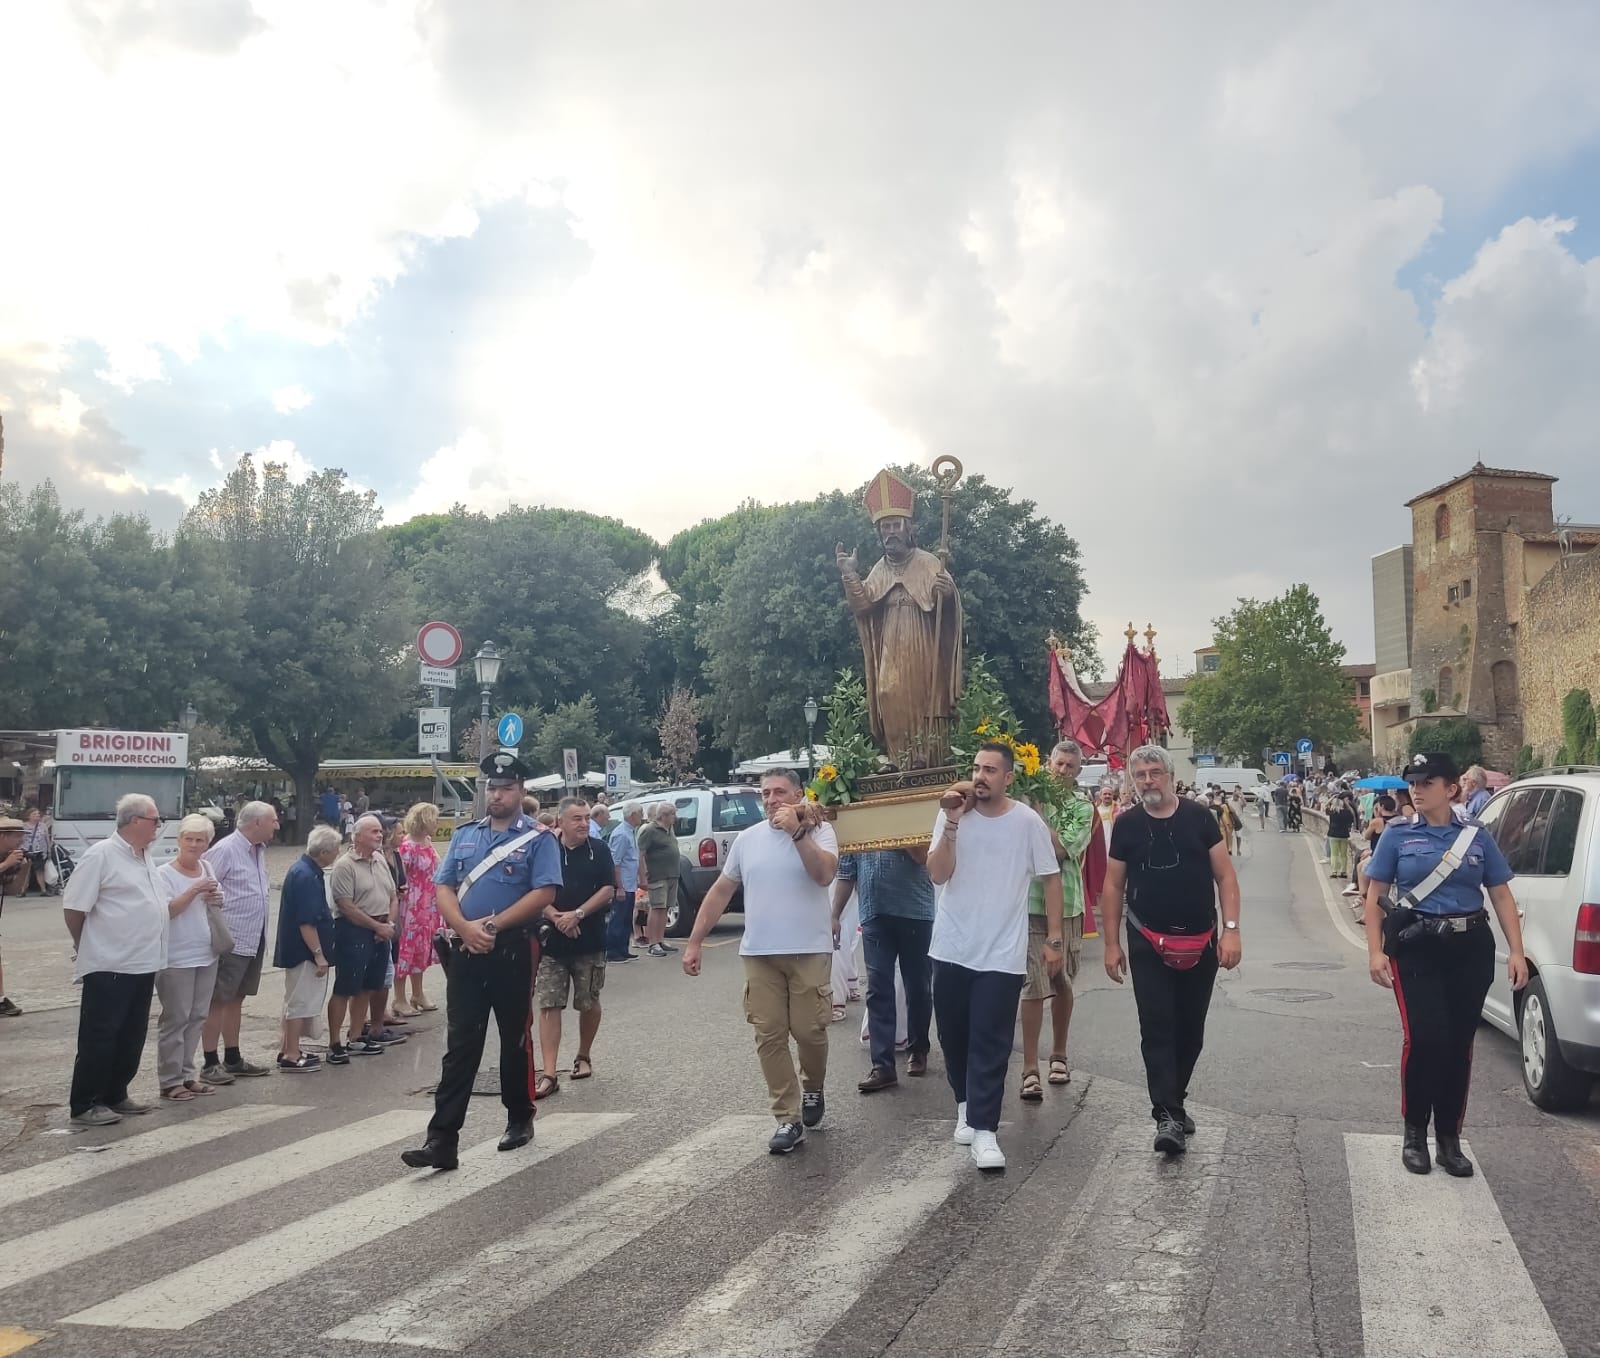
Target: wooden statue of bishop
[908, 614]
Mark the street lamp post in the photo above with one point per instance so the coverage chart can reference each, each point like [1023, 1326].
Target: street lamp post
[811, 735]
[487, 665]
[188, 717]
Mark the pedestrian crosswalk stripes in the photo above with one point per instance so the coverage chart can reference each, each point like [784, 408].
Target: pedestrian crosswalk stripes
[449, 1312]
[44, 1251]
[1475, 1298]
[192, 1294]
[1123, 1243]
[825, 1264]
[1137, 1229]
[66, 1171]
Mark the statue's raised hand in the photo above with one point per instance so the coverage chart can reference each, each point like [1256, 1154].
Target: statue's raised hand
[846, 561]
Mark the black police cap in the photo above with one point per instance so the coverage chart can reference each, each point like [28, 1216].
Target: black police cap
[1438, 764]
[504, 769]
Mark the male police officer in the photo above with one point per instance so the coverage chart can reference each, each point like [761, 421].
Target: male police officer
[496, 878]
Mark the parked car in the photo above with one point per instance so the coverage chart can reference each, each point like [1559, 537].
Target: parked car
[709, 816]
[1548, 826]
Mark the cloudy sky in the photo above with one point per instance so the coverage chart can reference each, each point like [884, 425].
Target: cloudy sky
[1219, 286]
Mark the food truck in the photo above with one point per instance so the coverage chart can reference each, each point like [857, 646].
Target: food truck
[94, 768]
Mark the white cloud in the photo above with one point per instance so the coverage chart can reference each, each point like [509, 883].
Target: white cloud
[287, 400]
[1145, 272]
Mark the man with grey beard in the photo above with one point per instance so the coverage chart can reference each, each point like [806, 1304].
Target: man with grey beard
[1167, 857]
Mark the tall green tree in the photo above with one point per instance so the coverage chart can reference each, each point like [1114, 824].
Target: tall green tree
[776, 629]
[322, 653]
[569, 726]
[107, 623]
[1277, 679]
[539, 584]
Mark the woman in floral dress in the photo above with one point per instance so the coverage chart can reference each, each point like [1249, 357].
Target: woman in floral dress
[421, 909]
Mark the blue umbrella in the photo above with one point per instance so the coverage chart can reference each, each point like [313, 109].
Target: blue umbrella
[1383, 782]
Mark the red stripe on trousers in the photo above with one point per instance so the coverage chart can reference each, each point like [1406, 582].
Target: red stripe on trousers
[1405, 1029]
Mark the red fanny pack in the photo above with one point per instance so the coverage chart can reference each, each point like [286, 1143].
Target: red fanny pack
[1178, 951]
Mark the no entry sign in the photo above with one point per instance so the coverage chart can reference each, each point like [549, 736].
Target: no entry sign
[438, 643]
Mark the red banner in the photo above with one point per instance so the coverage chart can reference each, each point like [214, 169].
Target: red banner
[1134, 713]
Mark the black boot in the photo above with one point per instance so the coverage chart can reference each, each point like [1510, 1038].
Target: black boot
[518, 1134]
[431, 1155]
[1450, 1158]
[1414, 1153]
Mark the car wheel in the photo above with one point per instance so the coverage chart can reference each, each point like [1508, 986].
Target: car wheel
[1551, 1083]
[681, 913]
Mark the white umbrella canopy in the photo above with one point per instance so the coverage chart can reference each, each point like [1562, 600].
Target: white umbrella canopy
[782, 759]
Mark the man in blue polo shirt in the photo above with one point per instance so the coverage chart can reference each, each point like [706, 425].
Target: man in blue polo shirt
[493, 882]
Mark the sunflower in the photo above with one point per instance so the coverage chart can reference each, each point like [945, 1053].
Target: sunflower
[827, 773]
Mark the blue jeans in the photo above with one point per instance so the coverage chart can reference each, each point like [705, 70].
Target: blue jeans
[619, 924]
[887, 939]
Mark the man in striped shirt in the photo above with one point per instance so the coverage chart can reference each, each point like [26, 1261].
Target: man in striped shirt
[240, 864]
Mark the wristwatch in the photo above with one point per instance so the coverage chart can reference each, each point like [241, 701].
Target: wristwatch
[1053, 943]
[490, 927]
[1230, 924]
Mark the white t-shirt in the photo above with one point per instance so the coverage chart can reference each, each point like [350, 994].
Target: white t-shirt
[188, 933]
[124, 904]
[982, 917]
[784, 910]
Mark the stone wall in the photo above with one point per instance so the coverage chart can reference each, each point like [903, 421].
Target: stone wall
[1559, 648]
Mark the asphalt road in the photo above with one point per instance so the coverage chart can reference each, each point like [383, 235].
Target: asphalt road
[276, 1219]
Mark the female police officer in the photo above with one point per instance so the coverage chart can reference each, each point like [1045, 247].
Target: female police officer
[1441, 964]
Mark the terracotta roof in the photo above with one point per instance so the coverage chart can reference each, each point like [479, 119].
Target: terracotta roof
[1358, 671]
[1478, 469]
[1577, 535]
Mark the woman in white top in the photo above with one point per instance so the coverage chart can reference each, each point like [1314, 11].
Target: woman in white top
[191, 971]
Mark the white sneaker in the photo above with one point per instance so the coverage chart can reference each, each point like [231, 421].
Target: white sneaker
[964, 1133]
[986, 1152]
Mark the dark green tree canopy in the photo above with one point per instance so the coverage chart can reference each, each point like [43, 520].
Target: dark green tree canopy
[324, 631]
[1277, 679]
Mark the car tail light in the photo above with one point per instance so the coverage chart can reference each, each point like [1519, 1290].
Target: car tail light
[1586, 941]
[708, 852]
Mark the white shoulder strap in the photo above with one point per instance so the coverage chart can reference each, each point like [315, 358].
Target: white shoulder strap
[496, 858]
[1446, 865]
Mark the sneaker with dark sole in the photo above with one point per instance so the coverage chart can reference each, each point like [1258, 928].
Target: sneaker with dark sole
[788, 1136]
[338, 1055]
[812, 1107]
[244, 1068]
[304, 1062]
[659, 950]
[365, 1047]
[1187, 1123]
[214, 1074]
[1169, 1136]
[9, 1008]
[387, 1036]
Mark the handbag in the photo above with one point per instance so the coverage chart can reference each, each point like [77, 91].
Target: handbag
[52, 874]
[221, 937]
[1178, 951]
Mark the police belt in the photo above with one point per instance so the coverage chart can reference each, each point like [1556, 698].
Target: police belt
[1456, 924]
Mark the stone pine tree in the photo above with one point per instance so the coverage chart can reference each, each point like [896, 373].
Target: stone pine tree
[678, 730]
[1277, 680]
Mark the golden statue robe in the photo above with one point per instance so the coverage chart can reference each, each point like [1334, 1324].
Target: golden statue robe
[911, 641]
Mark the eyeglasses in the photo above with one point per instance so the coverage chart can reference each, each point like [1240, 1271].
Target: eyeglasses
[154, 820]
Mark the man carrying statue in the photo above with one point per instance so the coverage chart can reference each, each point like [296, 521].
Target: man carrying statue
[908, 614]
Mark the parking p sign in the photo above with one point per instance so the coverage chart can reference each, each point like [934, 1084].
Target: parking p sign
[619, 772]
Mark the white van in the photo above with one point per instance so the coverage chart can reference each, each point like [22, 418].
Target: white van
[1252, 781]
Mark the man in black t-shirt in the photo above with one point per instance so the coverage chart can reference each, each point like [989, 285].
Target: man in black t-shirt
[1168, 858]
[575, 953]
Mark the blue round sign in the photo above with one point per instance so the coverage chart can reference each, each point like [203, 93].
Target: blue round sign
[509, 731]
[1304, 745]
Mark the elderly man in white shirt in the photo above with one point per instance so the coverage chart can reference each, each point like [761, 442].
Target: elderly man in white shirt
[116, 912]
